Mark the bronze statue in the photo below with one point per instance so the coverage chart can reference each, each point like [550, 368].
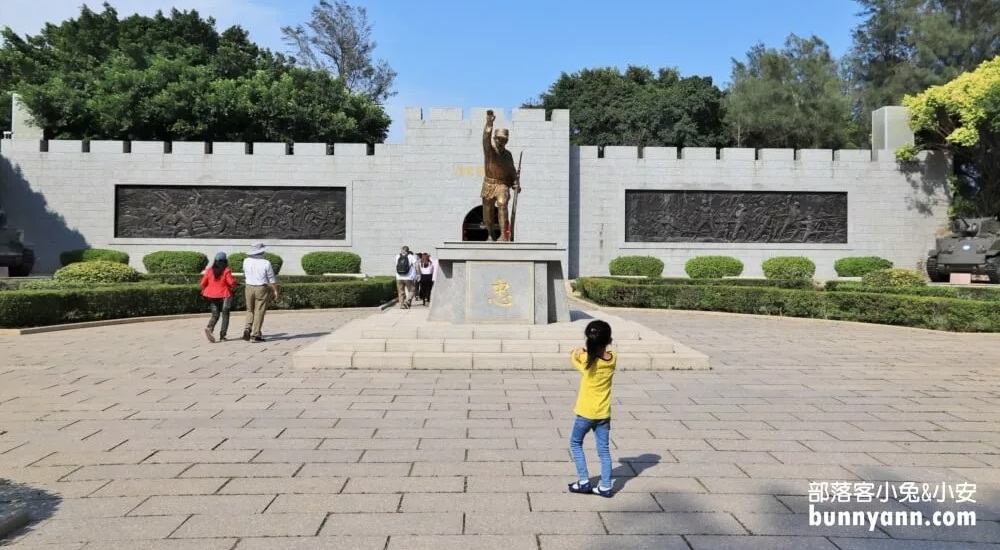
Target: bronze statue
[500, 176]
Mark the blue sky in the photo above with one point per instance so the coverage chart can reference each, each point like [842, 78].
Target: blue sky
[452, 53]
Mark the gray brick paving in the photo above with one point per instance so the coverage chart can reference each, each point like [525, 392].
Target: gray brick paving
[153, 438]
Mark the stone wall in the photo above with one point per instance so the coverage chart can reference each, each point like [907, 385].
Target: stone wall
[892, 212]
[419, 192]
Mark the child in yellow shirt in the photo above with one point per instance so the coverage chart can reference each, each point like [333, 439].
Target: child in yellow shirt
[597, 365]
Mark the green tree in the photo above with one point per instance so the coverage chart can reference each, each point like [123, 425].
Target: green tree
[962, 118]
[175, 78]
[637, 107]
[339, 40]
[788, 98]
[904, 46]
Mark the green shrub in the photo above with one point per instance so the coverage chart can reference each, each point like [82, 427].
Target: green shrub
[894, 277]
[788, 267]
[236, 261]
[193, 278]
[713, 267]
[868, 307]
[28, 308]
[857, 266]
[91, 255]
[175, 261]
[320, 262]
[804, 284]
[647, 266]
[97, 271]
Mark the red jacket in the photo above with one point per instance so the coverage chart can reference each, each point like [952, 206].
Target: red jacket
[218, 288]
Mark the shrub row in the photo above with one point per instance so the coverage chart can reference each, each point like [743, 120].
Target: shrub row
[185, 261]
[26, 308]
[870, 307]
[716, 267]
[983, 293]
[774, 283]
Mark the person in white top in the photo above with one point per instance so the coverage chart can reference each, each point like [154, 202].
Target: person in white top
[406, 276]
[258, 275]
[426, 268]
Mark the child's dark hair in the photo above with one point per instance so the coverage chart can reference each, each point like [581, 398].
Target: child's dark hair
[598, 337]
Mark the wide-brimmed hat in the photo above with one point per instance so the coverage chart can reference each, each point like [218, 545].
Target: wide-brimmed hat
[503, 133]
[257, 248]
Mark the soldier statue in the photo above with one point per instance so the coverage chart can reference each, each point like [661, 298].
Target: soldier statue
[500, 176]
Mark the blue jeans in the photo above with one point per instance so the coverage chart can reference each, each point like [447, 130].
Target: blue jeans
[602, 429]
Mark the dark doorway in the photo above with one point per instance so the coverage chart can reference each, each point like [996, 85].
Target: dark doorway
[473, 228]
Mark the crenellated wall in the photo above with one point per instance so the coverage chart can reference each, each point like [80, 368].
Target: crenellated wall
[418, 192]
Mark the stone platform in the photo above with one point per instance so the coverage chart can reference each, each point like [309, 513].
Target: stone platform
[407, 339]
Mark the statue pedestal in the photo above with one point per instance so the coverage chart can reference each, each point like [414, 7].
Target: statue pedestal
[499, 283]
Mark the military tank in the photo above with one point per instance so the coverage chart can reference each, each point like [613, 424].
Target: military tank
[15, 254]
[973, 247]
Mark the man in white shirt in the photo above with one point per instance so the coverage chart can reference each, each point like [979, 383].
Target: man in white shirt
[258, 276]
[406, 276]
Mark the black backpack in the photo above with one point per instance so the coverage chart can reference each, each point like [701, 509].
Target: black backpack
[403, 264]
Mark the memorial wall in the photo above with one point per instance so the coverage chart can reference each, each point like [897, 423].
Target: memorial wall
[597, 202]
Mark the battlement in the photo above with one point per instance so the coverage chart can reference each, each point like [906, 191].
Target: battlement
[649, 155]
[217, 148]
[478, 114]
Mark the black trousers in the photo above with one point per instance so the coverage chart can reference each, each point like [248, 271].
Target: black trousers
[220, 308]
[426, 283]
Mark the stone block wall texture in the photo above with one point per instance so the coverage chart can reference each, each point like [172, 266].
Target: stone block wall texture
[418, 192]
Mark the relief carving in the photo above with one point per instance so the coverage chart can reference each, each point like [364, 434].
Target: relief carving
[735, 217]
[199, 212]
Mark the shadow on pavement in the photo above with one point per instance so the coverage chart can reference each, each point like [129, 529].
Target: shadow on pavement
[286, 336]
[38, 503]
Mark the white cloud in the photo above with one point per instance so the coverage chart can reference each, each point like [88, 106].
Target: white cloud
[263, 22]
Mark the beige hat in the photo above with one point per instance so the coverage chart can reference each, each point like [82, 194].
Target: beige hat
[503, 132]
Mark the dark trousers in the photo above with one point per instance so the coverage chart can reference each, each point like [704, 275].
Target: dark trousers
[220, 308]
[425, 287]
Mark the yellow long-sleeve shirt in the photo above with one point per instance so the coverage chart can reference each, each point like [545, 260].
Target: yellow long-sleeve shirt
[593, 399]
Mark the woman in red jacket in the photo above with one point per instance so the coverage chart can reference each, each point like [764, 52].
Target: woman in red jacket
[217, 286]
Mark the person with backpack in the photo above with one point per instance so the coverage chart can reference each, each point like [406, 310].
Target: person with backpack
[406, 276]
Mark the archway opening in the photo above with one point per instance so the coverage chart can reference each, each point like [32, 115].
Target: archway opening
[473, 228]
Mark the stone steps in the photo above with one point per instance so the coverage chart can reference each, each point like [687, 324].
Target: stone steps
[398, 339]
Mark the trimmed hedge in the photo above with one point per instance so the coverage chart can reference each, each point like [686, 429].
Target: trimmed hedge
[236, 261]
[802, 284]
[97, 271]
[184, 278]
[788, 267]
[320, 262]
[27, 308]
[175, 261]
[881, 278]
[713, 267]
[868, 307]
[636, 266]
[92, 255]
[983, 293]
[858, 266]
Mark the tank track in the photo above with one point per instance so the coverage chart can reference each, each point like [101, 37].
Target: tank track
[993, 270]
[932, 271]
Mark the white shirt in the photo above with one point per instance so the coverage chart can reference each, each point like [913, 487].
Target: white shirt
[258, 272]
[412, 273]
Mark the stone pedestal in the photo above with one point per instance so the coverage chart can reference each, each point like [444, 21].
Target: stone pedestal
[960, 278]
[500, 283]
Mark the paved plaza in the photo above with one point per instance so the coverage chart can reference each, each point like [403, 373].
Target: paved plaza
[145, 436]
